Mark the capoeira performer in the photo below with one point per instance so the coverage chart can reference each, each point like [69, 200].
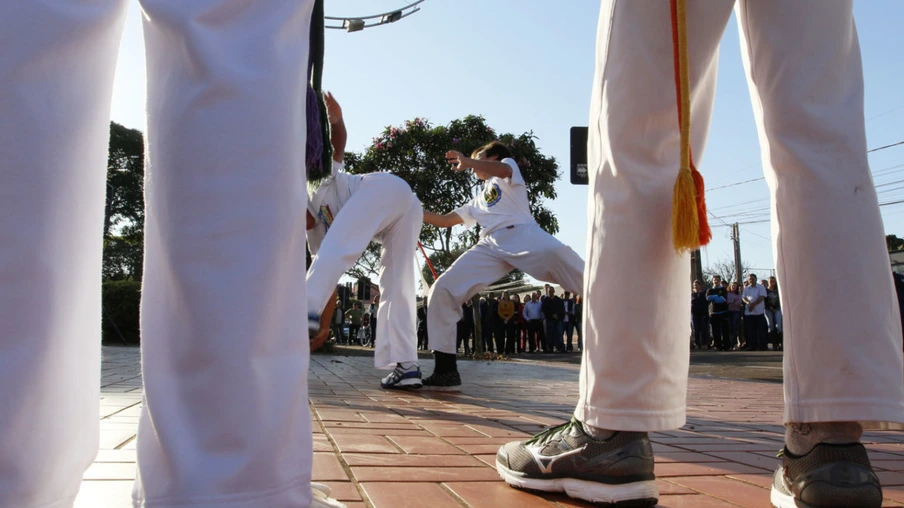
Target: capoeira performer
[510, 238]
[225, 419]
[843, 354]
[346, 212]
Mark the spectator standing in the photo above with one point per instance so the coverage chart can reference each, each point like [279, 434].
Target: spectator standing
[700, 316]
[374, 307]
[754, 297]
[354, 316]
[506, 319]
[533, 317]
[773, 314]
[735, 305]
[554, 311]
[579, 320]
[338, 321]
[568, 320]
[717, 296]
[518, 326]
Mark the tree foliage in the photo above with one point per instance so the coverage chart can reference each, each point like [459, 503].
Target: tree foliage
[416, 151]
[124, 217]
[894, 243]
[724, 268]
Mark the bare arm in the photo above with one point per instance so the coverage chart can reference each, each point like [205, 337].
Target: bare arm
[338, 133]
[325, 318]
[490, 167]
[442, 221]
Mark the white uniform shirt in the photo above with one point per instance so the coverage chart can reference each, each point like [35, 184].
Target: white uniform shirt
[325, 201]
[751, 293]
[502, 203]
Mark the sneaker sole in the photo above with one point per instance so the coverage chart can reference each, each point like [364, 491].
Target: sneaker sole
[637, 494]
[405, 384]
[782, 500]
[456, 388]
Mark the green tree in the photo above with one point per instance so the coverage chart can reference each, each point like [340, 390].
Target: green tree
[124, 217]
[416, 152]
[894, 243]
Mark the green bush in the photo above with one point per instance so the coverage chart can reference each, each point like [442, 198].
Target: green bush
[120, 320]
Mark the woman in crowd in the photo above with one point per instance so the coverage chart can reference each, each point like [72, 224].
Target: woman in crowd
[700, 316]
[735, 310]
[774, 314]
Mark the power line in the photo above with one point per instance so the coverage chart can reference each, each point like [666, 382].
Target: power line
[886, 146]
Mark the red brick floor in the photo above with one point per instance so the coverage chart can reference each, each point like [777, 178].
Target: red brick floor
[401, 449]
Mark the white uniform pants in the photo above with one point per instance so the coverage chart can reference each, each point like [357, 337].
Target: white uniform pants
[526, 247]
[225, 421]
[843, 359]
[383, 208]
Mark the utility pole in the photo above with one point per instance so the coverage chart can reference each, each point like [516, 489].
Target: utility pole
[736, 239]
[696, 266]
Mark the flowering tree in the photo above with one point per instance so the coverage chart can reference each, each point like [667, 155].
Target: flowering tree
[416, 153]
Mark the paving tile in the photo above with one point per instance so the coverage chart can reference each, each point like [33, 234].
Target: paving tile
[890, 478]
[425, 445]
[408, 495]
[751, 459]
[322, 444]
[438, 450]
[761, 480]
[424, 474]
[326, 467]
[686, 457]
[726, 489]
[357, 459]
[683, 501]
[704, 469]
[349, 443]
[343, 491]
[495, 495]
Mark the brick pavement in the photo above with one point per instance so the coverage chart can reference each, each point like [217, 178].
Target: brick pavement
[380, 448]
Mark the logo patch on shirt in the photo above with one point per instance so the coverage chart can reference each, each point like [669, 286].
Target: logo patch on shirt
[492, 194]
[326, 215]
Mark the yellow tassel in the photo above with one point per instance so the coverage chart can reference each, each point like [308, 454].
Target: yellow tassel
[685, 222]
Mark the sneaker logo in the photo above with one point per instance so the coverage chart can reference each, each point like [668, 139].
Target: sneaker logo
[545, 462]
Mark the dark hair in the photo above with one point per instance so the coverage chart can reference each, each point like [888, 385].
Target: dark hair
[493, 148]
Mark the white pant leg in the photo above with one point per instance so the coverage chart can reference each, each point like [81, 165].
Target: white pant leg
[225, 421]
[57, 60]
[397, 333]
[471, 272]
[381, 200]
[542, 256]
[633, 163]
[843, 356]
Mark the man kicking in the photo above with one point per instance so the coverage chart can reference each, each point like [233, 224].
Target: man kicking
[346, 212]
[509, 238]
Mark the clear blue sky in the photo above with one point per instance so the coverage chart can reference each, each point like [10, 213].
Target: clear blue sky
[527, 65]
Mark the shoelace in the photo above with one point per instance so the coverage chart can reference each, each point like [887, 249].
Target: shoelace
[548, 434]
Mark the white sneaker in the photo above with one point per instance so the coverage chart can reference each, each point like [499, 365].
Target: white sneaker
[322, 497]
[402, 378]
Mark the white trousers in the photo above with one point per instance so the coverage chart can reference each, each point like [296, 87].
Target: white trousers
[383, 208]
[225, 420]
[843, 359]
[526, 247]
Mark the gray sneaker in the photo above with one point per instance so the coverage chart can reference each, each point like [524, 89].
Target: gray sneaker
[829, 476]
[566, 459]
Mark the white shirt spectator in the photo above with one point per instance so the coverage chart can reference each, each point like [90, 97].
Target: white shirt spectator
[502, 203]
[533, 310]
[751, 293]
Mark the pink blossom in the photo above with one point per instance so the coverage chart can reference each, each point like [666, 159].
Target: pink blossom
[455, 141]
